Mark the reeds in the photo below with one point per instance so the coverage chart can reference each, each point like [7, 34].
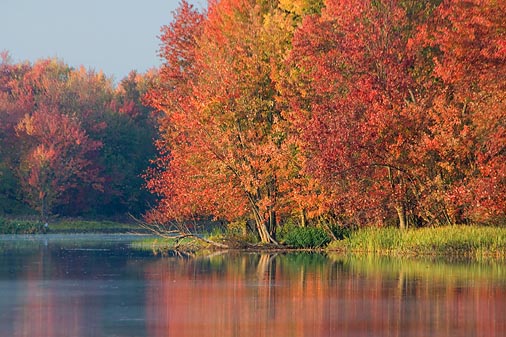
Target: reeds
[462, 241]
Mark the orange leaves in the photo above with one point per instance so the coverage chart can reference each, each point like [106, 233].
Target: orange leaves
[219, 129]
[42, 154]
[360, 131]
[370, 111]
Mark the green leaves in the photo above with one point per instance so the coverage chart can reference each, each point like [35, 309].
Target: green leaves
[306, 237]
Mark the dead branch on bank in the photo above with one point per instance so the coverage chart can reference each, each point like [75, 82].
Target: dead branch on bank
[175, 230]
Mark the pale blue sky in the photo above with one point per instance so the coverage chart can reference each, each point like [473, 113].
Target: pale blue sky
[113, 35]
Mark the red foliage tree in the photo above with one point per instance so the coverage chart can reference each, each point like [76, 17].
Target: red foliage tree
[386, 111]
[463, 48]
[12, 107]
[171, 97]
[353, 101]
[111, 116]
[59, 159]
[54, 153]
[400, 107]
[219, 127]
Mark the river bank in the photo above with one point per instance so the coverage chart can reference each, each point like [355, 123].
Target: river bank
[458, 241]
[454, 242]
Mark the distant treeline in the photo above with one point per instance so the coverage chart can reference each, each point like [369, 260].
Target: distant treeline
[71, 142]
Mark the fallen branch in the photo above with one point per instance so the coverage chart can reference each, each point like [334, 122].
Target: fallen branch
[180, 232]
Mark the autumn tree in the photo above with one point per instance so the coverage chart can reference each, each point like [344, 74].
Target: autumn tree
[462, 52]
[354, 101]
[114, 129]
[219, 127]
[399, 107]
[168, 97]
[49, 166]
[58, 160]
[11, 112]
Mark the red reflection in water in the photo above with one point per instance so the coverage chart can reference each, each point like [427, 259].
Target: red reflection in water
[264, 296]
[258, 295]
[50, 304]
[36, 318]
[41, 313]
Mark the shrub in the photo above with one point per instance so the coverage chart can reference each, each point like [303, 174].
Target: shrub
[306, 237]
[341, 232]
[235, 234]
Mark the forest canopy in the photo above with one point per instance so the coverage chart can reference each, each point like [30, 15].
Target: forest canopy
[350, 112]
[364, 112]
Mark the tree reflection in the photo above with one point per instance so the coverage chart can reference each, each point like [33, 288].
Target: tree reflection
[56, 292]
[311, 295]
[67, 292]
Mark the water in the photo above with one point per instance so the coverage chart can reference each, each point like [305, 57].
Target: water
[89, 285]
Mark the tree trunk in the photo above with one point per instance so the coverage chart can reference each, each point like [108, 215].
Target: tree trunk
[401, 212]
[263, 230]
[261, 224]
[402, 216]
[271, 193]
[272, 223]
[43, 209]
[265, 237]
[303, 219]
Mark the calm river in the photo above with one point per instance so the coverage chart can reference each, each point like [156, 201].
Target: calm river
[95, 285]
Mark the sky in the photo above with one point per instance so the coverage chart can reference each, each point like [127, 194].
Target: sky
[115, 36]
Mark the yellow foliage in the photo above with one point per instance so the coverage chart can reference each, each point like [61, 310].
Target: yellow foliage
[293, 6]
[301, 7]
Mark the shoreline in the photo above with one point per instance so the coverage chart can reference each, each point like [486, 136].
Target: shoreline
[462, 242]
[474, 242]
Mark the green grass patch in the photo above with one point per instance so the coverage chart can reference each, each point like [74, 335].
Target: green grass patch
[82, 226]
[466, 241]
[21, 227]
[16, 226]
[160, 245]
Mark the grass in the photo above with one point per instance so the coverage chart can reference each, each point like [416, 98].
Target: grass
[449, 242]
[15, 226]
[474, 242]
[159, 245]
[21, 227]
[306, 237]
[82, 226]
